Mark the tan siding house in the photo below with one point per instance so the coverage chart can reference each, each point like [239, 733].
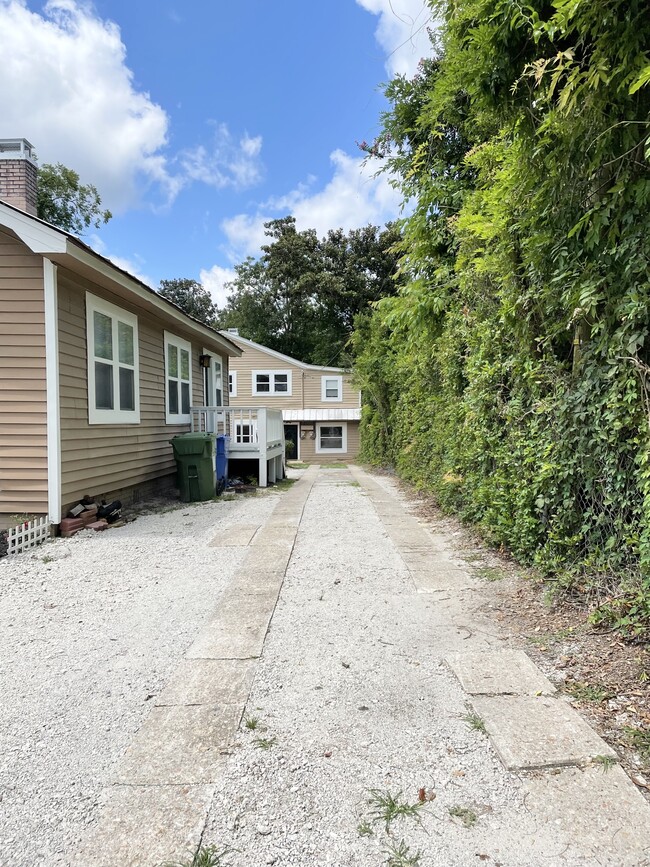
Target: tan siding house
[321, 409]
[97, 373]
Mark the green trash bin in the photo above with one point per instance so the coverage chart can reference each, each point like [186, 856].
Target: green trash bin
[194, 453]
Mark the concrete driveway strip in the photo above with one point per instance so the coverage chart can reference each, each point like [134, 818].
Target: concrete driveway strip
[162, 786]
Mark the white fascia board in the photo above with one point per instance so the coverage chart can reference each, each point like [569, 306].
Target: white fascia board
[98, 264]
[34, 233]
[52, 393]
[281, 357]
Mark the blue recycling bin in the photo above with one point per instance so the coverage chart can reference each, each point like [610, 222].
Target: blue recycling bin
[223, 444]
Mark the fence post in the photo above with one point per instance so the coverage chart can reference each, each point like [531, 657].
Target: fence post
[262, 444]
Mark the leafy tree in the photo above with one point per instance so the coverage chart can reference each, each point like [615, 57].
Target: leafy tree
[67, 203]
[511, 374]
[303, 294]
[190, 296]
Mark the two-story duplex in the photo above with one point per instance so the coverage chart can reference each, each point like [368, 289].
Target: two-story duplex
[321, 409]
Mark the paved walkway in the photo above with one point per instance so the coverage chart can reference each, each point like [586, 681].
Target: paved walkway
[377, 690]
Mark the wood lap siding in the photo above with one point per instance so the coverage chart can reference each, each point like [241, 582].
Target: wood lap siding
[100, 459]
[305, 383]
[23, 397]
[308, 451]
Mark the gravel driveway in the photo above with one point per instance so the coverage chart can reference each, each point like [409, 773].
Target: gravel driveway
[90, 629]
[355, 744]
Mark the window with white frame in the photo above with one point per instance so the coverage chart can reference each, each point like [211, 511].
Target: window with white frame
[331, 388]
[245, 432]
[178, 379]
[272, 382]
[331, 438]
[113, 363]
[232, 383]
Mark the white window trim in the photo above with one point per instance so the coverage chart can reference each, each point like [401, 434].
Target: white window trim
[323, 389]
[178, 417]
[271, 375]
[344, 437]
[110, 416]
[232, 383]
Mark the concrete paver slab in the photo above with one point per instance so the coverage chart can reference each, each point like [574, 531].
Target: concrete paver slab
[600, 810]
[273, 557]
[231, 638]
[209, 682]
[253, 582]
[238, 536]
[501, 672]
[538, 732]
[142, 826]
[179, 745]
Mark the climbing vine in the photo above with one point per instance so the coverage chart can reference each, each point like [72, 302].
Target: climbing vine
[510, 374]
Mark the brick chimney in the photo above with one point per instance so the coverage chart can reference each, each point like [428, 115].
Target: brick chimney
[18, 174]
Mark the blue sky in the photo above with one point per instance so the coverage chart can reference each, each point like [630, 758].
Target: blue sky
[199, 120]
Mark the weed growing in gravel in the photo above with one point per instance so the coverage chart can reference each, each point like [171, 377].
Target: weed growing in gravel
[606, 762]
[587, 692]
[251, 723]
[467, 816]
[205, 856]
[364, 829]
[386, 807]
[400, 855]
[284, 484]
[265, 743]
[639, 739]
[47, 559]
[475, 722]
[490, 573]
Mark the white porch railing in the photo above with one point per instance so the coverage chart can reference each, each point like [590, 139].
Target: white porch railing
[255, 432]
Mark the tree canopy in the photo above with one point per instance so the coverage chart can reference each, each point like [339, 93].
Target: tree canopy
[190, 296]
[302, 296]
[67, 203]
[511, 374]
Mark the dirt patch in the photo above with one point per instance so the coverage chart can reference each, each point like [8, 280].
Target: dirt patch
[606, 677]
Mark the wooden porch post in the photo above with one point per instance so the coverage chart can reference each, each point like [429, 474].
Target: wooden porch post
[262, 444]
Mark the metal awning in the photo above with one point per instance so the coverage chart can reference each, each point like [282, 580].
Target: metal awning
[321, 414]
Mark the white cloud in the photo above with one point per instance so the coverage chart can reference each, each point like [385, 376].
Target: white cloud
[67, 88]
[228, 163]
[402, 32]
[351, 199]
[214, 280]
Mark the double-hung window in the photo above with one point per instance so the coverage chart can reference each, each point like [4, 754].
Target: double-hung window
[331, 388]
[331, 438]
[113, 363]
[178, 379]
[272, 382]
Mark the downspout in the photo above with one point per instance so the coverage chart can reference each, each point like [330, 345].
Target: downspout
[52, 392]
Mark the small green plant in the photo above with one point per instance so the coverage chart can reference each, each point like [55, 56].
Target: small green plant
[400, 855]
[386, 807]
[606, 762]
[489, 573]
[265, 743]
[47, 559]
[475, 722]
[639, 739]
[587, 692]
[251, 723]
[466, 815]
[364, 829]
[284, 484]
[205, 856]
